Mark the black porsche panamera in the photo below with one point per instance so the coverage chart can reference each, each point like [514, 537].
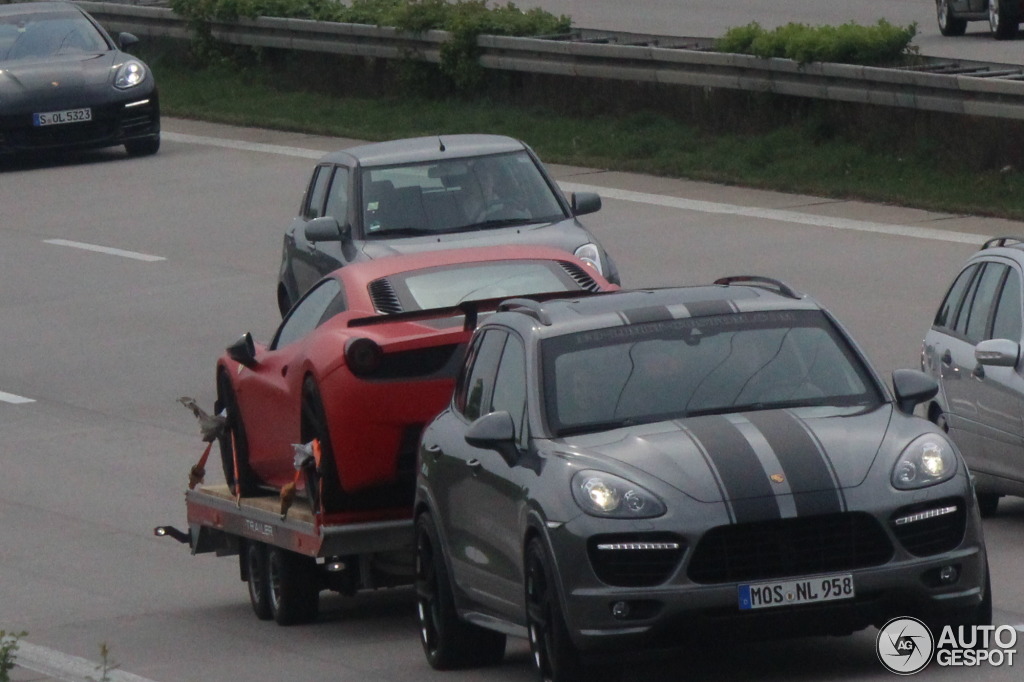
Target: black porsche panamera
[66, 84]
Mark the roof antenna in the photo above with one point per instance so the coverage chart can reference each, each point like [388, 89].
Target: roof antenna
[440, 143]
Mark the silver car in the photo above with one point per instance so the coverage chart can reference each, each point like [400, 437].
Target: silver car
[974, 351]
[430, 193]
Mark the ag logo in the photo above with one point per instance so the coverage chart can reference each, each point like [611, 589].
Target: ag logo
[905, 646]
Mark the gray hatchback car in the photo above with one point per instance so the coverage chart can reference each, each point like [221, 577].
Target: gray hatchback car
[974, 352]
[429, 193]
[635, 470]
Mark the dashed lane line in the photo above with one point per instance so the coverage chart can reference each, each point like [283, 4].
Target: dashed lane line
[105, 249]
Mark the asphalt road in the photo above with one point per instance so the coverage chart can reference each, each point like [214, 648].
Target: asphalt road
[712, 18]
[103, 342]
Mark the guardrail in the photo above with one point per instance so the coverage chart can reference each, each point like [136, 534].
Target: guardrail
[963, 88]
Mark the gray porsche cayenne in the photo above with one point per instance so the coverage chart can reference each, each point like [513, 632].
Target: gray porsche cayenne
[636, 470]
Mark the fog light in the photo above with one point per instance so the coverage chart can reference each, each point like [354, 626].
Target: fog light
[948, 575]
[620, 609]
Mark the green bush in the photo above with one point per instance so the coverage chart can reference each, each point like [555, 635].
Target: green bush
[848, 43]
[464, 19]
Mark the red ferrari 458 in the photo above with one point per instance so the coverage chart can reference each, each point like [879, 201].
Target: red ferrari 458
[361, 363]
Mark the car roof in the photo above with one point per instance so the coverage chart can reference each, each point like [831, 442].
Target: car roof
[418, 149]
[37, 8]
[729, 295]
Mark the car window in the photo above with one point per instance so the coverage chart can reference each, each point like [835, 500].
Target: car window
[982, 301]
[476, 384]
[316, 193]
[446, 286]
[510, 384]
[47, 35]
[337, 196]
[951, 304]
[308, 313]
[1007, 321]
[702, 365]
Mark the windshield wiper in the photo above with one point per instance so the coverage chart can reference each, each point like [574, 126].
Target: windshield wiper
[599, 426]
[400, 231]
[491, 224]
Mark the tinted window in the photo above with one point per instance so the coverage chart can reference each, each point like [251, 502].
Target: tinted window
[475, 386]
[510, 383]
[337, 196]
[1007, 321]
[446, 286]
[317, 192]
[951, 304]
[48, 34]
[308, 313]
[701, 365]
[982, 301]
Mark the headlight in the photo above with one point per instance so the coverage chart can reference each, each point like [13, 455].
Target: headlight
[928, 460]
[590, 254]
[601, 494]
[129, 74]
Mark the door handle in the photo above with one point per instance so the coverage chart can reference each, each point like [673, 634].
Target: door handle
[979, 371]
[947, 358]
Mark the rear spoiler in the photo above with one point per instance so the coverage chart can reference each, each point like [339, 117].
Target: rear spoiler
[471, 309]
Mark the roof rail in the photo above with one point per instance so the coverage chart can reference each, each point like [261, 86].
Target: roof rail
[527, 306]
[756, 280]
[1001, 241]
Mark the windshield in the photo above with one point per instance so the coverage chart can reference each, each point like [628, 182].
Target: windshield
[35, 36]
[454, 195]
[702, 365]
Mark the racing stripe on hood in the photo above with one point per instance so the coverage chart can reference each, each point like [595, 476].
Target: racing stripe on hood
[805, 464]
[748, 491]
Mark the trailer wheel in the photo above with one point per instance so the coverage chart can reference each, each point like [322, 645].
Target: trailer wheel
[248, 484]
[293, 587]
[448, 641]
[325, 479]
[255, 558]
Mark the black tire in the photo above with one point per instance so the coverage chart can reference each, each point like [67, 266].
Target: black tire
[324, 478]
[144, 147]
[988, 503]
[554, 654]
[254, 555]
[248, 483]
[448, 642]
[1003, 18]
[293, 587]
[948, 24]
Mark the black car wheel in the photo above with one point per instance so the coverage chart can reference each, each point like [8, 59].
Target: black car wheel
[554, 653]
[1003, 18]
[144, 147]
[948, 24]
[233, 443]
[322, 483]
[448, 642]
[988, 503]
[254, 555]
[293, 587]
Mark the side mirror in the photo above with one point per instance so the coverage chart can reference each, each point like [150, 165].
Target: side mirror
[495, 431]
[997, 353]
[243, 351]
[126, 40]
[585, 202]
[912, 388]
[326, 229]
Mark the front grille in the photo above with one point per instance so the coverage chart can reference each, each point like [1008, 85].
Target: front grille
[789, 547]
[635, 559]
[580, 276]
[931, 528]
[385, 299]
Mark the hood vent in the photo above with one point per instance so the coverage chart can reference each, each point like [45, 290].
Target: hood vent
[580, 276]
[385, 299]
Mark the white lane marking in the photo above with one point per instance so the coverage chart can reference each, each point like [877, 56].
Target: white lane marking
[14, 399]
[779, 215]
[105, 249]
[652, 199]
[67, 668]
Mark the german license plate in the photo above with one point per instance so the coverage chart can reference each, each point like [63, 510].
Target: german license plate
[51, 118]
[800, 591]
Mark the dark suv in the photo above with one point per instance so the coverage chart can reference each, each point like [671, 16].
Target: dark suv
[634, 470]
[974, 352]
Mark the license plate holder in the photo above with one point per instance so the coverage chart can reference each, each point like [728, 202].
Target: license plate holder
[63, 117]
